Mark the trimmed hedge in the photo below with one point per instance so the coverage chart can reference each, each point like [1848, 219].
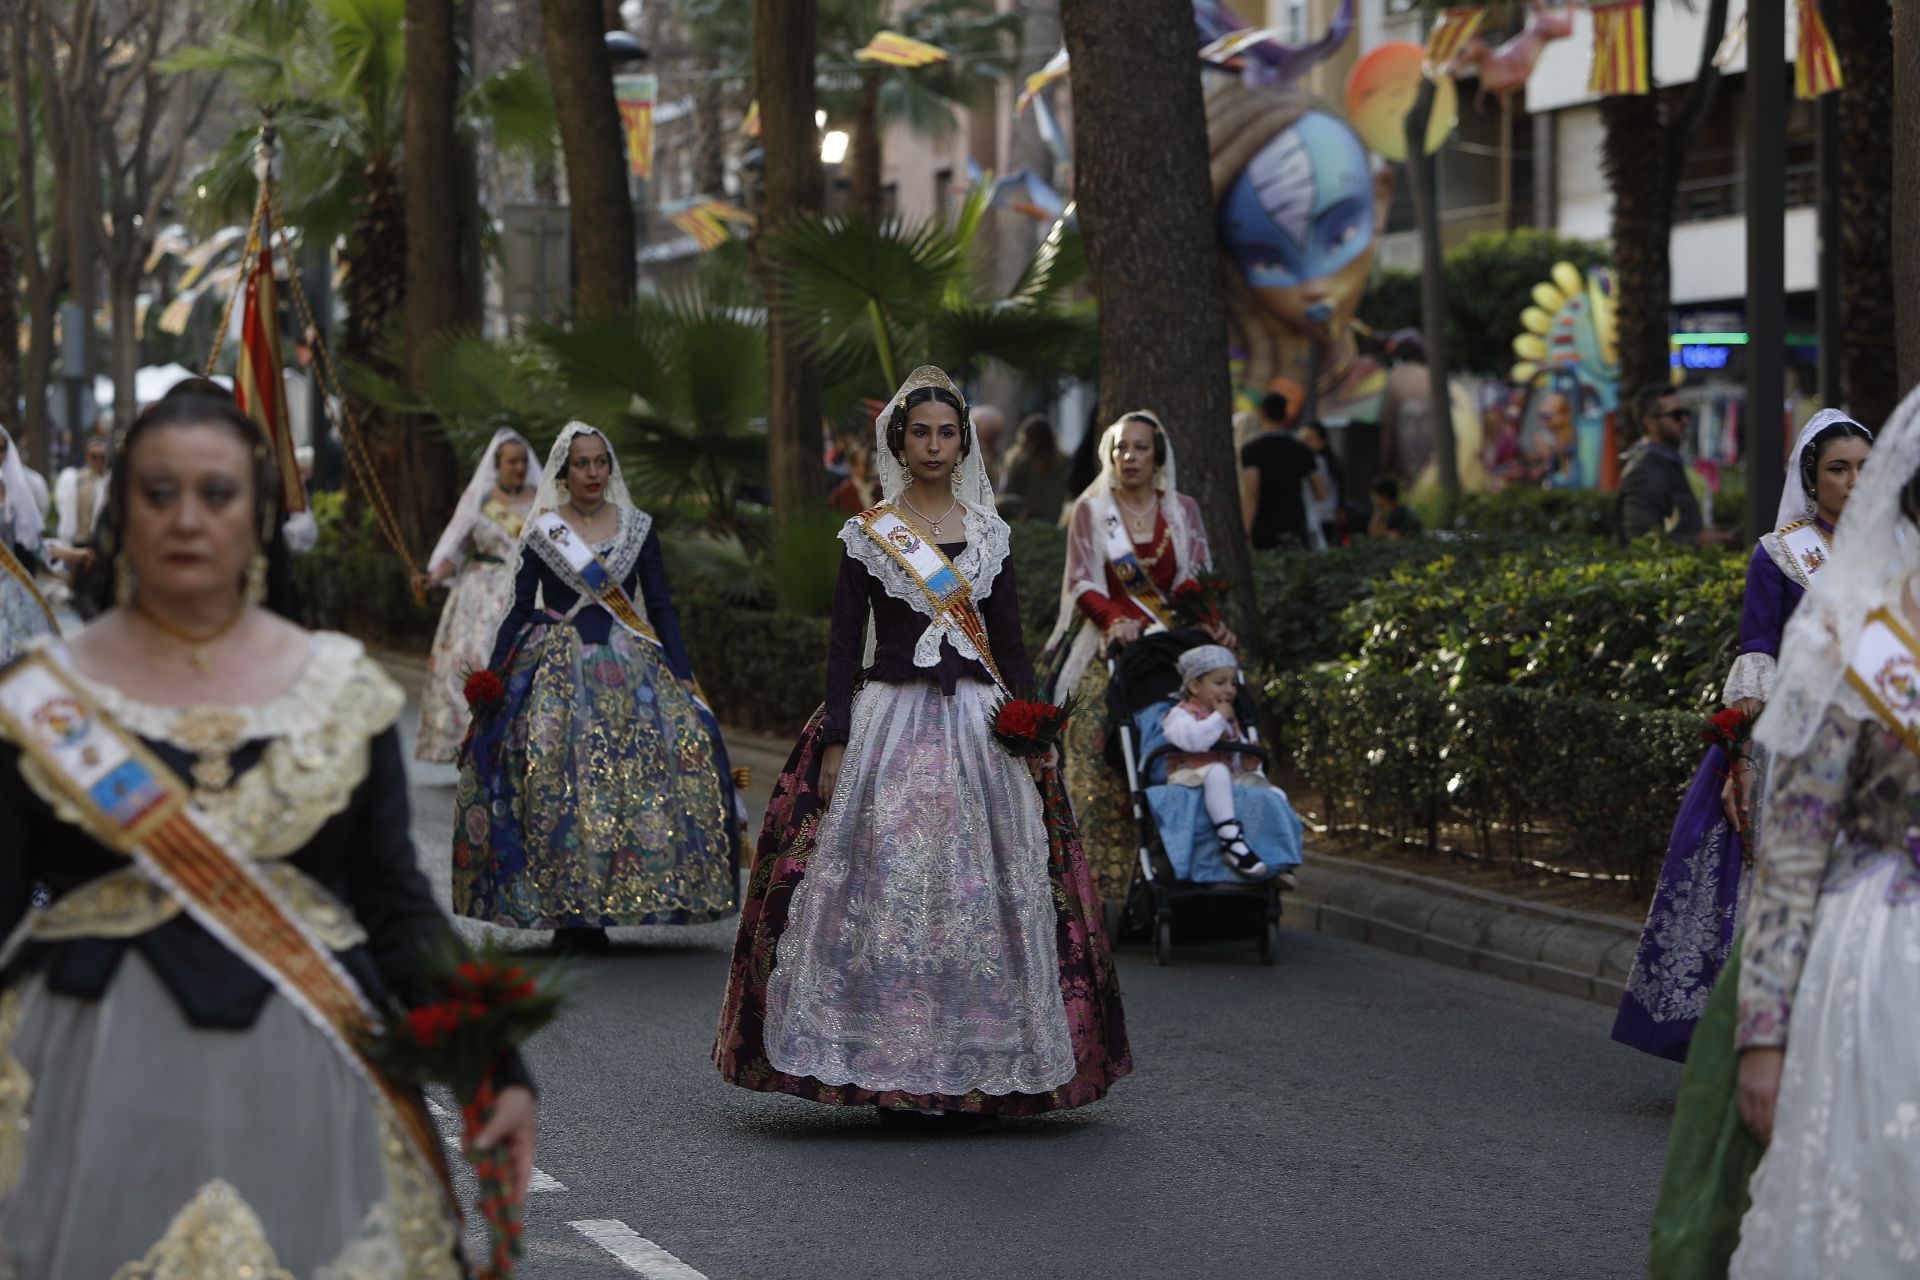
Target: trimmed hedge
[1589, 784]
[1543, 514]
[351, 581]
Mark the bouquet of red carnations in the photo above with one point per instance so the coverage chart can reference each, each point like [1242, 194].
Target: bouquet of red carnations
[485, 693]
[489, 1004]
[1730, 728]
[1201, 601]
[1027, 727]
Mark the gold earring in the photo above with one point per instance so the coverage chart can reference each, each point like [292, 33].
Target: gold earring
[257, 578]
[124, 588]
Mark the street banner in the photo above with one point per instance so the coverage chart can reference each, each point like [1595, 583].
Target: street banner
[636, 94]
[1054, 69]
[706, 220]
[895, 50]
[1816, 63]
[1620, 50]
[1452, 30]
[259, 386]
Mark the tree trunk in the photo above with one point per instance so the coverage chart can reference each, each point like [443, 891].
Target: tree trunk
[784, 33]
[467, 199]
[1642, 237]
[1433, 295]
[1906, 178]
[1146, 210]
[595, 145]
[1862, 32]
[436, 304]
[864, 183]
[80, 206]
[376, 276]
[9, 333]
[123, 287]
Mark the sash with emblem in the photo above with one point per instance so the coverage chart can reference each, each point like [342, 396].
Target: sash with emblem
[1801, 550]
[601, 585]
[947, 595]
[1885, 670]
[132, 803]
[1134, 578]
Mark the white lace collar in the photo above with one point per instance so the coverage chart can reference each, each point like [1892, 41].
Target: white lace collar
[979, 562]
[618, 553]
[308, 706]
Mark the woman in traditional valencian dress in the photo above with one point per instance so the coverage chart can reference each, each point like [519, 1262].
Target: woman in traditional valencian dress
[1132, 538]
[600, 794]
[24, 612]
[477, 554]
[920, 932]
[218, 803]
[1829, 1074]
[1697, 904]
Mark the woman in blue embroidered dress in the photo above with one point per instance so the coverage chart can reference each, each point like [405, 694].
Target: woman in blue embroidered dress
[1698, 902]
[1829, 1075]
[600, 794]
[921, 932]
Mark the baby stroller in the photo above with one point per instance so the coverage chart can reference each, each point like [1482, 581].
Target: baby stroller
[1178, 858]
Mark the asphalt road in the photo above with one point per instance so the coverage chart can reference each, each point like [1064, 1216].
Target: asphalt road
[1350, 1112]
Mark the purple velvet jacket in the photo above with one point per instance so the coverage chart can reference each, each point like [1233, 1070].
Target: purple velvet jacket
[897, 628]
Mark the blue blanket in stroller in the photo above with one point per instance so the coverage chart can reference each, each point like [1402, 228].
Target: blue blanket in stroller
[1180, 813]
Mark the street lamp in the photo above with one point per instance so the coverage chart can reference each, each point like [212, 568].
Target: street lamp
[833, 147]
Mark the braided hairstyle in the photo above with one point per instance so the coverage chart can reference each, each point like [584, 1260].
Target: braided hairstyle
[897, 424]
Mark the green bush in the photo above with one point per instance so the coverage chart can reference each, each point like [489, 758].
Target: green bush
[1539, 514]
[351, 581]
[1588, 784]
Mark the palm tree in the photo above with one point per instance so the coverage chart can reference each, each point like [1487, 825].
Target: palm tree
[1863, 34]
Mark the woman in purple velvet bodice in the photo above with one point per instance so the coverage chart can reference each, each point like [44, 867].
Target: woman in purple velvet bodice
[1699, 901]
[920, 933]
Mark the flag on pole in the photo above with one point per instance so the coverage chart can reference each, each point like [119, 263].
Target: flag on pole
[636, 94]
[258, 385]
[1055, 67]
[706, 220]
[1449, 37]
[750, 127]
[1620, 50]
[1816, 63]
[896, 50]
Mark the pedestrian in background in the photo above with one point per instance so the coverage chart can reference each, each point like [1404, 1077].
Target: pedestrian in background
[1655, 494]
[1035, 472]
[1277, 475]
[1322, 507]
[1391, 517]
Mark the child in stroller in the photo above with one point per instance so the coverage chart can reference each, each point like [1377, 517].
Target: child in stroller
[1203, 728]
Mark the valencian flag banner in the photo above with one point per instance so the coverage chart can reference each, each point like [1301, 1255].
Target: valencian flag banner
[258, 385]
[1620, 50]
[636, 94]
[706, 221]
[1056, 68]
[1816, 63]
[1449, 37]
[896, 50]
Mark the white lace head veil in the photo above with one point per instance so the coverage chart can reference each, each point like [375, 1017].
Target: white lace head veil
[552, 493]
[485, 476]
[1092, 576]
[970, 482]
[1875, 550]
[23, 519]
[1793, 495]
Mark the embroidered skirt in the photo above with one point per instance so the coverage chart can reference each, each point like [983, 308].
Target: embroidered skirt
[479, 599]
[1099, 792]
[21, 615]
[597, 797]
[932, 939]
[132, 1138]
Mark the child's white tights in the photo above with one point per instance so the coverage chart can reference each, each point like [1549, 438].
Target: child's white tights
[1216, 787]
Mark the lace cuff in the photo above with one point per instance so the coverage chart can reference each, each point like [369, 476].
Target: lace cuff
[1751, 677]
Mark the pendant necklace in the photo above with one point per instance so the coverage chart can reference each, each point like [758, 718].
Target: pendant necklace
[1139, 522]
[199, 648]
[932, 524]
[587, 517]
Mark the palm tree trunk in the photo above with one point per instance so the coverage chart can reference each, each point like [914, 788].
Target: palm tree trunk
[602, 214]
[1147, 212]
[1862, 32]
[1433, 293]
[375, 289]
[864, 195]
[9, 331]
[784, 33]
[1642, 234]
[1906, 187]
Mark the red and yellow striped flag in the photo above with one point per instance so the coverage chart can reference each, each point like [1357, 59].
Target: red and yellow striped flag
[896, 50]
[706, 221]
[1816, 63]
[258, 385]
[1449, 37]
[1620, 50]
[635, 95]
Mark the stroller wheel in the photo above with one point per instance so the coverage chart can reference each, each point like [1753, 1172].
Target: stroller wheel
[1163, 941]
[1269, 943]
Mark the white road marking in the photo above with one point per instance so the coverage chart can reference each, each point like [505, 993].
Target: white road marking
[635, 1251]
[540, 1181]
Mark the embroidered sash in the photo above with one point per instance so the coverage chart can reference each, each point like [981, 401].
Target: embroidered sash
[1134, 578]
[10, 563]
[1807, 546]
[602, 587]
[1885, 670]
[132, 803]
[511, 522]
[945, 592]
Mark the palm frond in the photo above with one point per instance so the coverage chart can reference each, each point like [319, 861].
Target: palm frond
[854, 282]
[1027, 339]
[1059, 263]
[516, 105]
[368, 42]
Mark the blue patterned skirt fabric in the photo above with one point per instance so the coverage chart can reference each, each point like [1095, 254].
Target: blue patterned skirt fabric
[598, 796]
[1273, 830]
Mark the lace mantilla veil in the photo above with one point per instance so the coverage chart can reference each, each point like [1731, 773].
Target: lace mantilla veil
[1793, 498]
[21, 511]
[1876, 550]
[485, 476]
[552, 493]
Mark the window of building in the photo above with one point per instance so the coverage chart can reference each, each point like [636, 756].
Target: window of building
[1293, 21]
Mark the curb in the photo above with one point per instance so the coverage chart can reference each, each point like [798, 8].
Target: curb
[1573, 953]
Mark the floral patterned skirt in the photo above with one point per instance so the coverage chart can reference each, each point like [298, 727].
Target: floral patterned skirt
[478, 601]
[922, 956]
[22, 617]
[1099, 792]
[596, 797]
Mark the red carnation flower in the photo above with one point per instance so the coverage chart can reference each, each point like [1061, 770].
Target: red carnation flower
[484, 688]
